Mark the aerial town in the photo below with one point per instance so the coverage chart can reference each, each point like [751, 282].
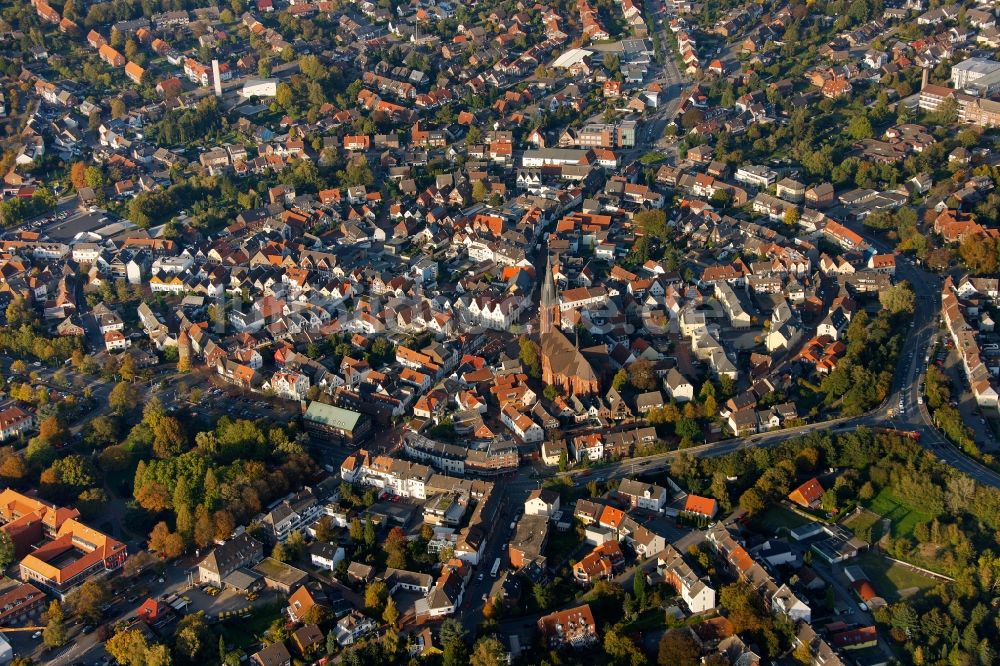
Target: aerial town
[598, 332]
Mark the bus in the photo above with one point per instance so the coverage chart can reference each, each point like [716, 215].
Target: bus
[496, 568]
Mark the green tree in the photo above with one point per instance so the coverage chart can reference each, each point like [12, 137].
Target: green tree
[860, 127]
[687, 429]
[488, 651]
[544, 596]
[639, 587]
[904, 618]
[622, 650]
[652, 223]
[479, 191]
[620, 379]
[192, 637]
[6, 551]
[529, 355]
[898, 298]
[752, 501]
[122, 397]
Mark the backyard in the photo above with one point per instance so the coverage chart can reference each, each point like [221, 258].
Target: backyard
[866, 525]
[903, 516]
[893, 581]
[777, 519]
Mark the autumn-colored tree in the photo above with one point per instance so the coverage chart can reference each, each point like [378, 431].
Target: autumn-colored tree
[492, 609]
[488, 651]
[54, 634]
[158, 537]
[128, 647]
[13, 466]
[744, 606]
[395, 548]
[317, 614]
[137, 563]
[122, 397]
[78, 175]
[51, 430]
[391, 613]
[204, 528]
[88, 600]
[174, 545]
[678, 648]
[224, 524]
[376, 595]
[152, 496]
[642, 375]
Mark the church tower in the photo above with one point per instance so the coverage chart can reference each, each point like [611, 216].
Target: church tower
[550, 302]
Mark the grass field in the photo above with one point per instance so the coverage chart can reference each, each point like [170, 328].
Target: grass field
[777, 519]
[903, 516]
[866, 525]
[891, 580]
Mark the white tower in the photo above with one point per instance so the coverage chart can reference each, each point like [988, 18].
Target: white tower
[217, 77]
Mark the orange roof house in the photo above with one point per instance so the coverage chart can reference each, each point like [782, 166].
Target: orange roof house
[599, 563]
[808, 494]
[28, 520]
[76, 553]
[111, 56]
[95, 39]
[134, 72]
[701, 506]
[611, 517]
[151, 611]
[574, 626]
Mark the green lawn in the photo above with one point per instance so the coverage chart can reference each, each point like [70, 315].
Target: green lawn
[651, 620]
[777, 519]
[241, 632]
[903, 516]
[561, 545]
[890, 578]
[866, 525]
[652, 158]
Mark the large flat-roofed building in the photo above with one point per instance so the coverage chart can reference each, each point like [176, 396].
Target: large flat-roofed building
[528, 543]
[981, 74]
[336, 423]
[76, 553]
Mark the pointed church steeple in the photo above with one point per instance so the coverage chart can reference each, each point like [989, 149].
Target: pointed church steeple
[549, 301]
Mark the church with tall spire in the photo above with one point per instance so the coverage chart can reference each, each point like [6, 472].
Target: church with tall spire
[548, 313]
[563, 364]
